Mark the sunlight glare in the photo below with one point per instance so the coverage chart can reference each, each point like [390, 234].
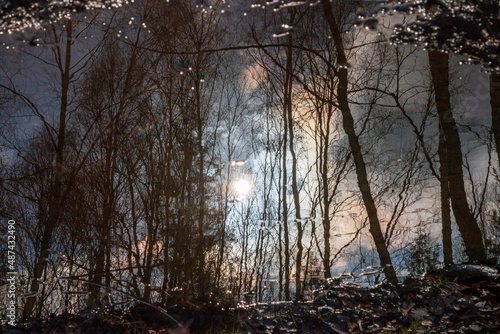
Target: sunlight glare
[242, 187]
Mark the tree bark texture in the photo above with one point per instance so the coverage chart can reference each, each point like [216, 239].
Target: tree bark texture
[467, 224]
[349, 128]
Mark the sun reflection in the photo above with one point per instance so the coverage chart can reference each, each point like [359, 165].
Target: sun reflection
[242, 187]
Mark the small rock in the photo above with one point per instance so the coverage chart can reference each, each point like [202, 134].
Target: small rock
[427, 322]
[419, 314]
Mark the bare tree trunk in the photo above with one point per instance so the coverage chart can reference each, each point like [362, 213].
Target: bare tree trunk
[56, 202]
[495, 109]
[202, 277]
[264, 219]
[151, 243]
[296, 200]
[167, 272]
[295, 190]
[348, 124]
[98, 273]
[280, 243]
[326, 196]
[103, 228]
[467, 224]
[445, 203]
[285, 212]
